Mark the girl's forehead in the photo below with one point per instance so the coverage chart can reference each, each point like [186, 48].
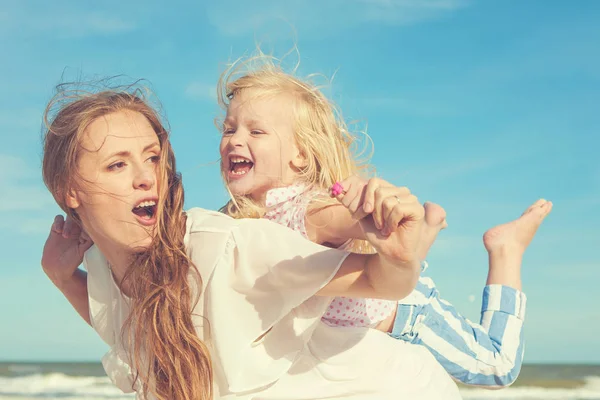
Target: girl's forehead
[260, 104]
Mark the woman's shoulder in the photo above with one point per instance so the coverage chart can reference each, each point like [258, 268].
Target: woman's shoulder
[202, 220]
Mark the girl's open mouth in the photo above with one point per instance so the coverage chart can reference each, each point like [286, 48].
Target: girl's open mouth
[239, 166]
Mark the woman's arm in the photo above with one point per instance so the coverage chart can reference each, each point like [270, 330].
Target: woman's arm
[63, 253]
[75, 291]
[373, 276]
[392, 227]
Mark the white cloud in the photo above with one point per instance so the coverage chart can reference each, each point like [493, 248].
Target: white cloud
[16, 197]
[64, 19]
[20, 186]
[323, 17]
[411, 106]
[35, 226]
[13, 168]
[84, 24]
[455, 244]
[23, 119]
[583, 271]
[433, 173]
[201, 91]
[400, 12]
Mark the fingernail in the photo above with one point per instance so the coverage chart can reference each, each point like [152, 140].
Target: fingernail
[368, 207]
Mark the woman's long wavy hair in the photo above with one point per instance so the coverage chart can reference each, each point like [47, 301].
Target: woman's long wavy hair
[170, 360]
[331, 151]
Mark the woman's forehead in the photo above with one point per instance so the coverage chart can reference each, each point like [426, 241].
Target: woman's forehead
[120, 129]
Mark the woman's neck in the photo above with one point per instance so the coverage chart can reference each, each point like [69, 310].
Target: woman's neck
[119, 259]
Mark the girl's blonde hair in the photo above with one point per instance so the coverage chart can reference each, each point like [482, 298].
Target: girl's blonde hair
[331, 151]
[167, 355]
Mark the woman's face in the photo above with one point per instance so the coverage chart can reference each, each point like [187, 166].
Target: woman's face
[117, 193]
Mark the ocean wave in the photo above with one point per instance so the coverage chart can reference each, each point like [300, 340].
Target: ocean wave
[589, 391]
[60, 385]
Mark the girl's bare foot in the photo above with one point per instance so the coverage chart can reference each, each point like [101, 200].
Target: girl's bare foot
[506, 245]
[516, 235]
[433, 223]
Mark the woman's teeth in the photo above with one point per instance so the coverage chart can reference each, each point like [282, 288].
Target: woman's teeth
[148, 203]
[145, 209]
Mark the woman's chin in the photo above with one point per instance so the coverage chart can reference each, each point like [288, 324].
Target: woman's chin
[140, 245]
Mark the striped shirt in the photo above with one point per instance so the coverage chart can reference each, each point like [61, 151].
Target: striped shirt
[488, 354]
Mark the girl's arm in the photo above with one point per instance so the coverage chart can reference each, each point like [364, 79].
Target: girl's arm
[392, 227]
[332, 226]
[336, 224]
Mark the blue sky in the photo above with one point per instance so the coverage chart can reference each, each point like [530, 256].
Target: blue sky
[481, 106]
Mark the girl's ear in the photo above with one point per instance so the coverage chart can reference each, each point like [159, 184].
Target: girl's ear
[300, 160]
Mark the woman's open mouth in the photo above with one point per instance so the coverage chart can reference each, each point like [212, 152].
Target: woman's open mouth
[145, 212]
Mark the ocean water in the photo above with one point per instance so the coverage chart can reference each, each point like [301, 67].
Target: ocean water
[75, 381]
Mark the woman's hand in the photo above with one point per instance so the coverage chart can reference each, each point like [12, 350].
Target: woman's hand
[64, 249]
[391, 217]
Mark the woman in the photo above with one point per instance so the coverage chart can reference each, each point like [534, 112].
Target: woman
[185, 299]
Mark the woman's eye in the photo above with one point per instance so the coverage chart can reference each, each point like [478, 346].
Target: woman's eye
[116, 166]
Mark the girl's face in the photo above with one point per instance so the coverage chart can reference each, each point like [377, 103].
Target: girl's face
[258, 149]
[117, 195]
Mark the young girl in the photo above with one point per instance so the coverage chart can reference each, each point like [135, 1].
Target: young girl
[284, 146]
[188, 300]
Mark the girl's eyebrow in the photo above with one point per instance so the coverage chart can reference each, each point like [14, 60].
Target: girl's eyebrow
[253, 123]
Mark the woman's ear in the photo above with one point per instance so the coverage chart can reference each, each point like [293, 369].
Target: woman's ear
[72, 199]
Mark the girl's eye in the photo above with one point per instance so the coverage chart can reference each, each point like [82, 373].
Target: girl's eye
[154, 159]
[256, 132]
[228, 131]
[116, 166]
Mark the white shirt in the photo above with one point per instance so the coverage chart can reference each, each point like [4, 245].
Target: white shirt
[259, 281]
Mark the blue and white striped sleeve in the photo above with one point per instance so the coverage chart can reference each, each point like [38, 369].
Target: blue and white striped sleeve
[488, 354]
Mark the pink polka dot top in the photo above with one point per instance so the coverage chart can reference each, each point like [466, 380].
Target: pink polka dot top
[287, 206]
